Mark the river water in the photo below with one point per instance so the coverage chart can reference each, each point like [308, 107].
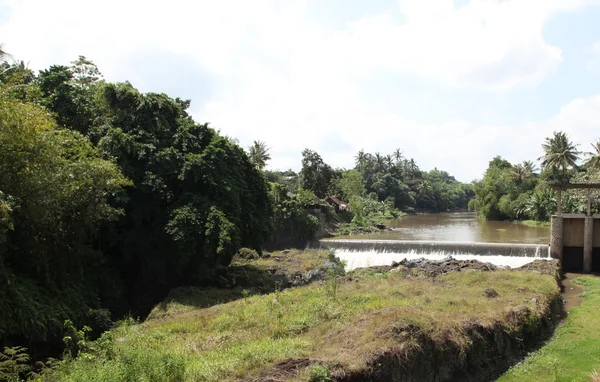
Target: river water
[434, 236]
[462, 227]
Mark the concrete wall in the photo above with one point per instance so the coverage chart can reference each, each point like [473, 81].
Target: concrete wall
[573, 232]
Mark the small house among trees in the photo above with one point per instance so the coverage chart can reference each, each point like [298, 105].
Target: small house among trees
[337, 204]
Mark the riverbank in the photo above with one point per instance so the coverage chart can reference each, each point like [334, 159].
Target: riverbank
[573, 353]
[534, 223]
[463, 321]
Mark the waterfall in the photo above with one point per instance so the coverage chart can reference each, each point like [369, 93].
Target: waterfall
[365, 253]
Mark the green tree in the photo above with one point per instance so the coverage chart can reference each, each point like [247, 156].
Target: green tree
[351, 185]
[55, 193]
[315, 174]
[259, 154]
[593, 160]
[560, 155]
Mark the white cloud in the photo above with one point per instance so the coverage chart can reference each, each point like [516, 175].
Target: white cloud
[283, 78]
[593, 62]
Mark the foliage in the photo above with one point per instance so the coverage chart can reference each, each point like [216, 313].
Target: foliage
[14, 362]
[319, 373]
[55, 194]
[110, 199]
[258, 154]
[291, 219]
[315, 174]
[560, 154]
[593, 160]
[247, 254]
[517, 191]
[505, 191]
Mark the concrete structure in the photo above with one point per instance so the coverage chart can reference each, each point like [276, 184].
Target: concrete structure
[574, 237]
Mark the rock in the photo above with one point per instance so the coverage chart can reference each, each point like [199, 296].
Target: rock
[490, 293]
[535, 301]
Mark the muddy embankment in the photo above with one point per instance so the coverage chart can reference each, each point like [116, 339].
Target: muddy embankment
[491, 350]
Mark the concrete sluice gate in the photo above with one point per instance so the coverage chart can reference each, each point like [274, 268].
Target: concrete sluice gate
[366, 253]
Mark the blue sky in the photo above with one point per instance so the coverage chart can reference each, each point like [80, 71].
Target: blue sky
[451, 83]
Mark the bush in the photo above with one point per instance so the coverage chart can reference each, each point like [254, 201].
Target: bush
[247, 254]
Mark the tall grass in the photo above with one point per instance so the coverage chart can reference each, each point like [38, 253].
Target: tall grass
[339, 322]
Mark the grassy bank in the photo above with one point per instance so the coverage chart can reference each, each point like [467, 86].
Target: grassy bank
[340, 326]
[573, 354]
[535, 223]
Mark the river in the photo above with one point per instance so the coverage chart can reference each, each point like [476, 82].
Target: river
[462, 227]
[434, 236]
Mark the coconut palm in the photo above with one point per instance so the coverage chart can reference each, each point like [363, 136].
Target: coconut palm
[530, 168]
[259, 154]
[560, 153]
[398, 155]
[593, 160]
[519, 174]
[360, 158]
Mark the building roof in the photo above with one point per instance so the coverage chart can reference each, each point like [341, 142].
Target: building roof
[336, 200]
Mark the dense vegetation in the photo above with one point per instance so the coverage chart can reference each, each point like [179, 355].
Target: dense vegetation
[519, 192]
[109, 198]
[379, 187]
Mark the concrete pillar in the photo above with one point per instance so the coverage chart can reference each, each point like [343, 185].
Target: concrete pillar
[588, 232]
[556, 237]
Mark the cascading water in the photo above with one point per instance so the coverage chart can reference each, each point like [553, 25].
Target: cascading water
[367, 253]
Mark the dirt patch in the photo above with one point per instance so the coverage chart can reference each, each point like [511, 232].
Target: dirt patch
[285, 370]
[545, 267]
[433, 268]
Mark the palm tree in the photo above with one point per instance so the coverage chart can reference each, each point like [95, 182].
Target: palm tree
[380, 161]
[388, 161]
[518, 174]
[593, 160]
[360, 158]
[560, 154]
[259, 154]
[530, 168]
[398, 155]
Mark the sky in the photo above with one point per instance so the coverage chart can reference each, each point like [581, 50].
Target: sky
[452, 83]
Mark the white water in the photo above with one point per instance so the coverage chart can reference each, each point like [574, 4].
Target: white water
[362, 259]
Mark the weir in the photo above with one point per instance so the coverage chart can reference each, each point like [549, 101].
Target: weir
[575, 237]
[368, 253]
[440, 247]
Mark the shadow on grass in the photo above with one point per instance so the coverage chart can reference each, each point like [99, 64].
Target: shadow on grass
[236, 282]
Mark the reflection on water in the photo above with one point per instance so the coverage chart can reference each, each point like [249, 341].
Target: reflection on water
[459, 227]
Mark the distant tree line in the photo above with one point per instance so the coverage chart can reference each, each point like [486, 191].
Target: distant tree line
[523, 192]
